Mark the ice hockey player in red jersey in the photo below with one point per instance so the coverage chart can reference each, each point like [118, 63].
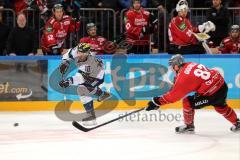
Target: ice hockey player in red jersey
[56, 30]
[139, 24]
[180, 32]
[209, 87]
[231, 44]
[96, 42]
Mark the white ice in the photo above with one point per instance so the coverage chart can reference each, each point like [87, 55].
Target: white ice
[42, 136]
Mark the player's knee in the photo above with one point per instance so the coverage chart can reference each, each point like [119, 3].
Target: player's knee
[186, 103]
[82, 91]
[220, 108]
[85, 99]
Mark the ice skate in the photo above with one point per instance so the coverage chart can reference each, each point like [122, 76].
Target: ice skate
[90, 119]
[236, 128]
[104, 96]
[189, 129]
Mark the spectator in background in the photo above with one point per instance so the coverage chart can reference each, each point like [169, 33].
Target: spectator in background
[159, 4]
[4, 31]
[96, 42]
[182, 39]
[139, 24]
[103, 4]
[231, 44]
[20, 6]
[106, 16]
[56, 30]
[42, 6]
[72, 7]
[21, 39]
[157, 41]
[128, 3]
[163, 5]
[219, 15]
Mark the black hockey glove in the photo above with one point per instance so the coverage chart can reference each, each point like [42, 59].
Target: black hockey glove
[66, 83]
[56, 50]
[64, 66]
[152, 20]
[153, 104]
[152, 23]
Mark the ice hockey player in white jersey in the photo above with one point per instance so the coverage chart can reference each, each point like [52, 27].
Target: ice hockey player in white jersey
[89, 76]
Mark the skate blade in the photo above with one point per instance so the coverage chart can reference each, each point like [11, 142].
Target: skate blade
[105, 98]
[186, 132]
[236, 131]
[89, 123]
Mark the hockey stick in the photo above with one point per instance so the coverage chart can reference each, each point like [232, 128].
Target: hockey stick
[84, 129]
[64, 95]
[202, 37]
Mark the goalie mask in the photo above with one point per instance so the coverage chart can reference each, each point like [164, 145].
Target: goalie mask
[182, 5]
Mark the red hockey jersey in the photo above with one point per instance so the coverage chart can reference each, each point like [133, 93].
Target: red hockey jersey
[180, 32]
[134, 23]
[229, 46]
[55, 32]
[193, 77]
[96, 42]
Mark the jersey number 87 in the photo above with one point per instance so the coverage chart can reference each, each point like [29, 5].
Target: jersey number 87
[202, 72]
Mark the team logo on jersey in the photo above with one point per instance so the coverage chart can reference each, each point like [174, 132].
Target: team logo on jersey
[146, 13]
[49, 29]
[182, 26]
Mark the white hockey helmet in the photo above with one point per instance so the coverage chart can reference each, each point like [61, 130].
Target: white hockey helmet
[235, 28]
[182, 5]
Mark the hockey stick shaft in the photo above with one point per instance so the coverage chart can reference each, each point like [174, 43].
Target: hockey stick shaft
[80, 127]
[204, 44]
[64, 95]
[206, 47]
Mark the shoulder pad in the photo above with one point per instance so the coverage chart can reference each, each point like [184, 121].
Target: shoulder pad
[146, 12]
[226, 40]
[129, 12]
[52, 20]
[173, 19]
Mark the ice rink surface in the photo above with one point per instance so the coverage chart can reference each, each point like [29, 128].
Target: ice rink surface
[42, 136]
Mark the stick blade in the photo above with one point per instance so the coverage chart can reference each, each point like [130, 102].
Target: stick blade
[80, 127]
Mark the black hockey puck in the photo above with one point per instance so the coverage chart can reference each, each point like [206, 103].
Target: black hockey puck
[15, 124]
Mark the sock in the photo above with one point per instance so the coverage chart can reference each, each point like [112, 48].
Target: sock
[88, 106]
[227, 113]
[188, 112]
